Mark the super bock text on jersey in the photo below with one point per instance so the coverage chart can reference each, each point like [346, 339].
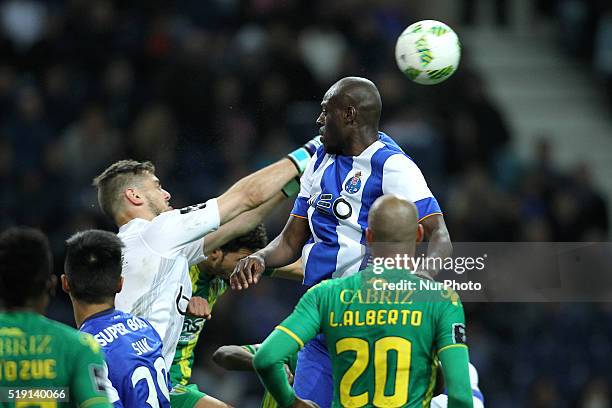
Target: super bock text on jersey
[335, 197]
[133, 350]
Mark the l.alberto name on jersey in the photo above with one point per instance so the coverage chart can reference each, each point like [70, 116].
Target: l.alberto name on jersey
[379, 317]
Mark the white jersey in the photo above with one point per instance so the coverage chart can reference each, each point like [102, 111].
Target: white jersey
[336, 194]
[156, 261]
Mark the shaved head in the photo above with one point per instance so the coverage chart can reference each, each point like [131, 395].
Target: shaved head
[350, 116]
[363, 95]
[393, 219]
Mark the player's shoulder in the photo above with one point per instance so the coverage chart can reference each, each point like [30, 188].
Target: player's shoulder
[317, 159]
[390, 154]
[132, 228]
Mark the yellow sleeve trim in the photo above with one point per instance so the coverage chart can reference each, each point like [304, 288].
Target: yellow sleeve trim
[291, 334]
[429, 215]
[94, 401]
[451, 346]
[298, 216]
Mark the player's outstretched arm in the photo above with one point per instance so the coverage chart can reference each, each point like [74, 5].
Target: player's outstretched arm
[255, 189]
[241, 225]
[282, 251]
[259, 187]
[455, 366]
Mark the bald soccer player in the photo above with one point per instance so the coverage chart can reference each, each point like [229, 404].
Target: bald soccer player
[384, 342]
[356, 164]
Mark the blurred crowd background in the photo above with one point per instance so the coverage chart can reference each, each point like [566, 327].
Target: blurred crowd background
[210, 91]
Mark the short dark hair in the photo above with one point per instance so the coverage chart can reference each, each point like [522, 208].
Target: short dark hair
[112, 181]
[25, 265]
[93, 265]
[254, 240]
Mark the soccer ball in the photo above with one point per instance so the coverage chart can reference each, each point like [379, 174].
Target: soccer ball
[428, 52]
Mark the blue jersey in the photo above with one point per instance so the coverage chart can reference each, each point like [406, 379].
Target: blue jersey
[335, 197]
[133, 351]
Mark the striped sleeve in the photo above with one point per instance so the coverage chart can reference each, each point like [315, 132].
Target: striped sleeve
[402, 176]
[300, 207]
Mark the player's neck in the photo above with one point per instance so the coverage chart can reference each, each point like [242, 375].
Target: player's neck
[361, 140]
[82, 310]
[127, 216]
[31, 306]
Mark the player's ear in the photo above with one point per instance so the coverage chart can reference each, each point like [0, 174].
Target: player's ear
[369, 236]
[133, 196]
[65, 284]
[120, 286]
[215, 256]
[420, 233]
[350, 114]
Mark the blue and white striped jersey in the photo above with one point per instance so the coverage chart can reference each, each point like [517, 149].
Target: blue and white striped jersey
[335, 197]
[133, 351]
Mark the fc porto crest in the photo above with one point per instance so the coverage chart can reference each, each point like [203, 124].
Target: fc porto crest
[353, 184]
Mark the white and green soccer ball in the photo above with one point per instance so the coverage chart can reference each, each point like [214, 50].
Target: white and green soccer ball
[428, 52]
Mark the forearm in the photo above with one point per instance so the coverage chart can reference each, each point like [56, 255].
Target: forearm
[241, 225]
[233, 358]
[280, 252]
[293, 272]
[255, 189]
[455, 362]
[440, 245]
[269, 365]
[287, 247]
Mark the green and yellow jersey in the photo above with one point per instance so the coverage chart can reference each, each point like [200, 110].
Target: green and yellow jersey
[383, 340]
[268, 401]
[210, 288]
[38, 353]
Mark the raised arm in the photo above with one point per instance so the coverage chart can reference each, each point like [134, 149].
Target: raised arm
[254, 190]
[283, 250]
[241, 225]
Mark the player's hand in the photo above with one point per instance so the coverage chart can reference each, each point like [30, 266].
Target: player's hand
[247, 272]
[300, 403]
[289, 374]
[199, 307]
[300, 157]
